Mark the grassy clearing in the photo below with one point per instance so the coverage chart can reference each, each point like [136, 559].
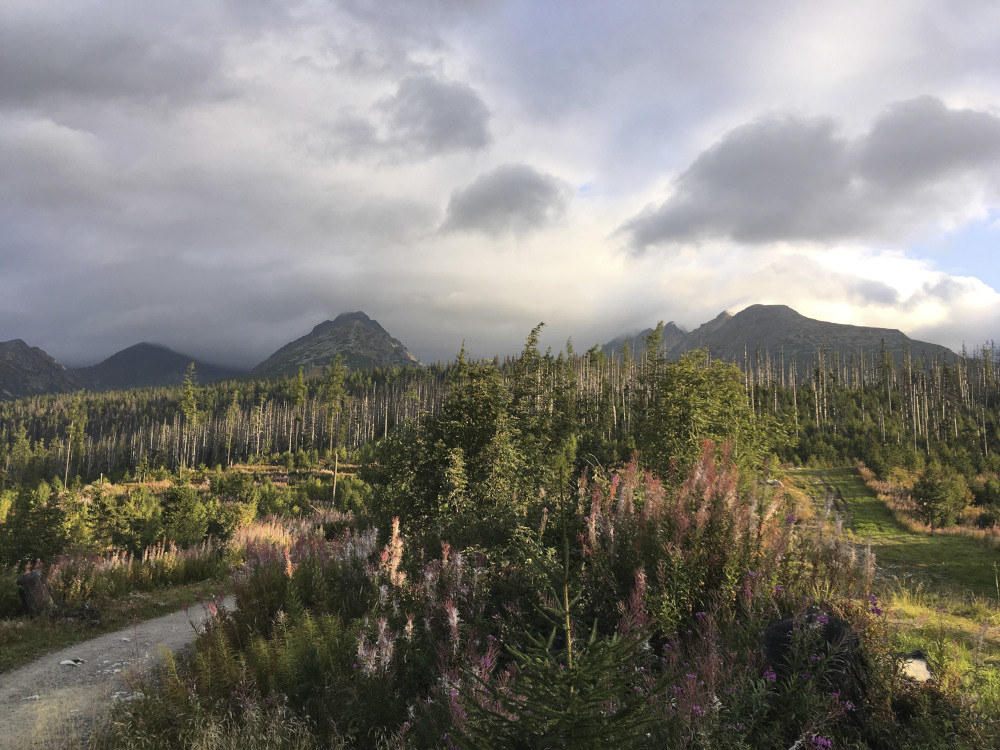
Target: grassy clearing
[949, 563]
[940, 590]
[24, 639]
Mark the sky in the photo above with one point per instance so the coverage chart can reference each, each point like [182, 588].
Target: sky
[219, 176]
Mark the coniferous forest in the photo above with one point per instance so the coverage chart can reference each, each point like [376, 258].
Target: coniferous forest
[554, 550]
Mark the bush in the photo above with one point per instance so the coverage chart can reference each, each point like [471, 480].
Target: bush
[941, 495]
[185, 516]
[353, 494]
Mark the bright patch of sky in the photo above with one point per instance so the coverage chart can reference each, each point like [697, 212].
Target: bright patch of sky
[972, 249]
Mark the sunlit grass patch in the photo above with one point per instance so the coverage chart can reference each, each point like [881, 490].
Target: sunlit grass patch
[939, 590]
[948, 563]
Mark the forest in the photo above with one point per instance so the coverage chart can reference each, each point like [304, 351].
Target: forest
[546, 551]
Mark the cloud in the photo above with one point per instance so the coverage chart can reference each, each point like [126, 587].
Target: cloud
[793, 178]
[221, 176]
[435, 116]
[919, 141]
[511, 199]
[80, 51]
[763, 182]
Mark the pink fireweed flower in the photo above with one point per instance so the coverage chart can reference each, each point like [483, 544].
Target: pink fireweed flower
[392, 556]
[451, 611]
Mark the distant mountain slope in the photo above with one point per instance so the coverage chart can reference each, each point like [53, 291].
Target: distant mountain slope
[783, 333]
[28, 371]
[361, 341]
[145, 365]
[672, 337]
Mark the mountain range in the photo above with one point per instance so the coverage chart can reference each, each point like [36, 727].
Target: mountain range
[145, 365]
[785, 335]
[778, 330]
[28, 371]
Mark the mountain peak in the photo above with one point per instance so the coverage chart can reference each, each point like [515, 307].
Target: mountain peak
[344, 320]
[145, 364]
[28, 371]
[352, 317]
[360, 340]
[791, 337]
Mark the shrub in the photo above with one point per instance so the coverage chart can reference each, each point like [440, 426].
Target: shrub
[941, 495]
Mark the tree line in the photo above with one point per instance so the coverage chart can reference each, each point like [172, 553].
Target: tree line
[866, 406]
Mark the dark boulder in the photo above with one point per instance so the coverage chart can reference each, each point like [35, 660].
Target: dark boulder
[815, 628]
[34, 592]
[821, 648]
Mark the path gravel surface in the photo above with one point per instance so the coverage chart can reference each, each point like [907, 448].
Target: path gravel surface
[56, 701]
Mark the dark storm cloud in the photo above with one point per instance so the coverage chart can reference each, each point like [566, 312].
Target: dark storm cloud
[871, 292]
[511, 199]
[921, 140]
[794, 178]
[434, 116]
[81, 51]
[772, 179]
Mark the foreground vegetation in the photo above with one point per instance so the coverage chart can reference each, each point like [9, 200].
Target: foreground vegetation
[559, 551]
[941, 590]
[623, 613]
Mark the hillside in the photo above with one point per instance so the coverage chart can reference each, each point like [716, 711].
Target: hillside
[361, 341]
[672, 337]
[28, 371]
[786, 336]
[145, 365]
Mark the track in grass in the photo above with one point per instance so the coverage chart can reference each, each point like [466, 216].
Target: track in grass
[947, 562]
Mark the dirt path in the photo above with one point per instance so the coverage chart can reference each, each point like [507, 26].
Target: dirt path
[49, 704]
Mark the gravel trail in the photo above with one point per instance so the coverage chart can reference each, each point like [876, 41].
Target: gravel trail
[50, 704]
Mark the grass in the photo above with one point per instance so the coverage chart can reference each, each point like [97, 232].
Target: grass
[948, 563]
[940, 590]
[24, 639]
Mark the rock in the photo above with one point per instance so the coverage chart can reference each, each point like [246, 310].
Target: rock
[34, 593]
[914, 666]
[126, 697]
[789, 643]
[834, 632]
[86, 613]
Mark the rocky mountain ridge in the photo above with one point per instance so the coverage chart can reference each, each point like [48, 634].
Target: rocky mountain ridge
[770, 331]
[785, 336]
[361, 341]
[28, 371]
